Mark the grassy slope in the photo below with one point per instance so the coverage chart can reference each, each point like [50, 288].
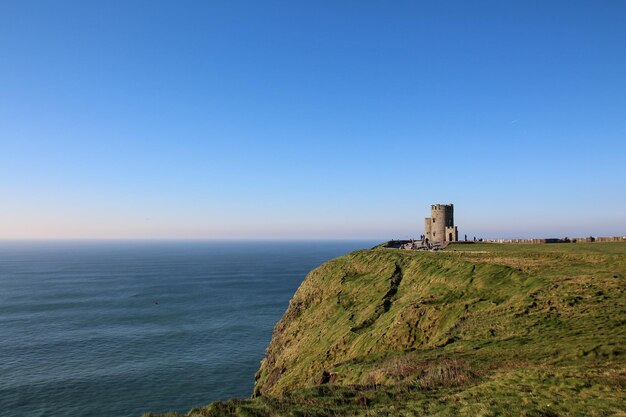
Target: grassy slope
[475, 330]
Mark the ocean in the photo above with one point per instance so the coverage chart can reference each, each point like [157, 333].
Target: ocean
[119, 328]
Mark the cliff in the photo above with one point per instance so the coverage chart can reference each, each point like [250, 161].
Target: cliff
[537, 330]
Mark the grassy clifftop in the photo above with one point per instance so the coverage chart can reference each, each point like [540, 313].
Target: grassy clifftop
[537, 330]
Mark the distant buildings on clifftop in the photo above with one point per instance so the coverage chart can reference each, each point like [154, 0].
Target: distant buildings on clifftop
[440, 230]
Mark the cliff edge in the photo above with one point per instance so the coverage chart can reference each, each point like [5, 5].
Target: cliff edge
[536, 330]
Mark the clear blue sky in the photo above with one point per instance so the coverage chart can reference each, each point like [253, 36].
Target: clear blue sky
[321, 119]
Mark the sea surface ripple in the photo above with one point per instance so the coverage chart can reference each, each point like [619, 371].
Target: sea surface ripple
[119, 328]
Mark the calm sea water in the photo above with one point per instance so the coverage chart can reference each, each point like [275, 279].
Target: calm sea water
[121, 328]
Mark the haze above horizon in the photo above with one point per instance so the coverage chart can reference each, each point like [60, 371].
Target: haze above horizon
[311, 120]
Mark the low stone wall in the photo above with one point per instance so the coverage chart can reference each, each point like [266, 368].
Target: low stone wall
[396, 244]
[417, 244]
[611, 239]
[520, 240]
[561, 240]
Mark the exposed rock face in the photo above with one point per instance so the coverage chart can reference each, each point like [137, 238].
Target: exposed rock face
[379, 301]
[508, 305]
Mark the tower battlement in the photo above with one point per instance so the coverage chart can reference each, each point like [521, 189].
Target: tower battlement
[442, 207]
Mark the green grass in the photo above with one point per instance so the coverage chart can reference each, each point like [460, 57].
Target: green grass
[483, 329]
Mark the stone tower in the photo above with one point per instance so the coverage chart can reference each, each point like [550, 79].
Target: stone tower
[439, 227]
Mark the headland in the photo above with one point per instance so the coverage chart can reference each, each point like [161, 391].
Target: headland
[481, 329]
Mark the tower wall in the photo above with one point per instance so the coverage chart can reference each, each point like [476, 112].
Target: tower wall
[427, 228]
[442, 217]
[452, 234]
